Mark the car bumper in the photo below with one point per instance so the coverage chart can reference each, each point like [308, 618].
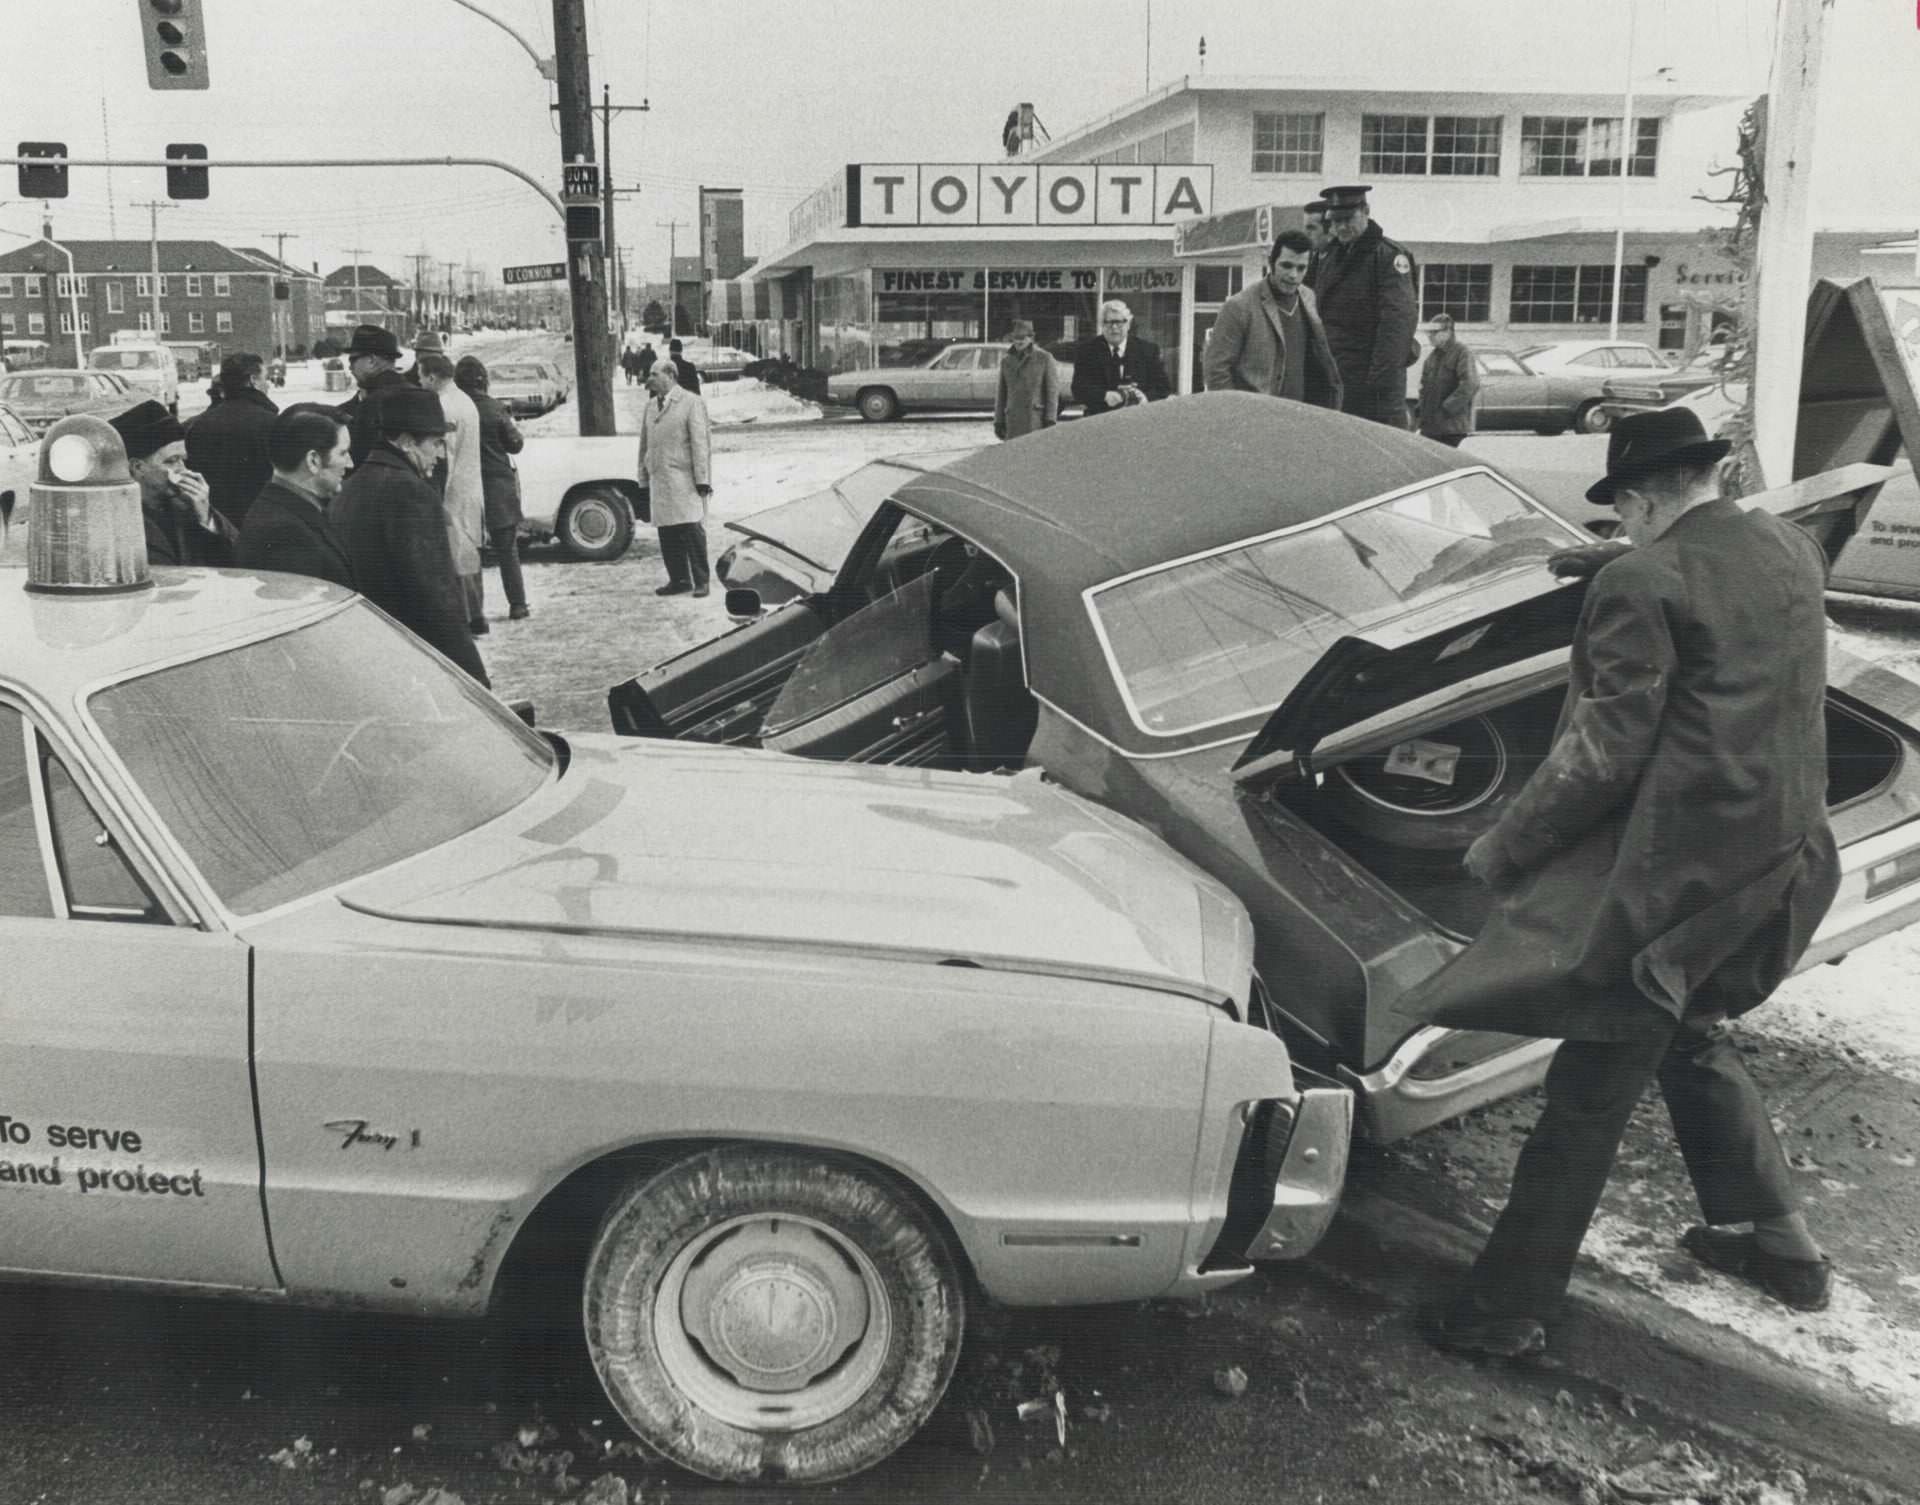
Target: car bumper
[1287, 1178]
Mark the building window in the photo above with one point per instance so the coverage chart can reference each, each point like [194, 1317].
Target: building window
[6, 287]
[193, 285]
[1580, 146]
[30, 285]
[116, 297]
[164, 280]
[222, 285]
[1462, 289]
[1287, 143]
[36, 323]
[166, 320]
[6, 323]
[223, 322]
[70, 287]
[1576, 295]
[142, 286]
[1466, 146]
[66, 321]
[196, 322]
[1391, 144]
[146, 321]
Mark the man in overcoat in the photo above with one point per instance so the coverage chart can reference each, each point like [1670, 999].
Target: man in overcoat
[1364, 284]
[1661, 872]
[462, 492]
[1269, 338]
[374, 359]
[1028, 394]
[287, 527]
[175, 500]
[1449, 381]
[676, 467]
[228, 443]
[1116, 368]
[389, 519]
[500, 440]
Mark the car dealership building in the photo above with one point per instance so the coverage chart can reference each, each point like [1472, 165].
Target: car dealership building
[1508, 200]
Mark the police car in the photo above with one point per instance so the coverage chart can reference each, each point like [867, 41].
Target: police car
[329, 981]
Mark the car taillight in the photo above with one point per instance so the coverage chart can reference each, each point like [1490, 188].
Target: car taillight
[1895, 872]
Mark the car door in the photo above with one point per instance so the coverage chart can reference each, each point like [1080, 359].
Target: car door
[1511, 396]
[943, 383]
[127, 1132]
[19, 459]
[984, 384]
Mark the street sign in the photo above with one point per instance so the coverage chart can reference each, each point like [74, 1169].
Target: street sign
[544, 271]
[580, 180]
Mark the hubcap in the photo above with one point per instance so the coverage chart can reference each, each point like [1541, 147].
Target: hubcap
[592, 521]
[772, 1323]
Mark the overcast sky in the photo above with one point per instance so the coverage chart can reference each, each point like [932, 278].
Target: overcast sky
[773, 95]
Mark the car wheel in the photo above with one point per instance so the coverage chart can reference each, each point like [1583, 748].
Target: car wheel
[757, 1315]
[877, 405]
[595, 524]
[1593, 419]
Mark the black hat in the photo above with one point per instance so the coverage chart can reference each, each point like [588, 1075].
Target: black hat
[1314, 210]
[412, 410]
[1345, 200]
[1647, 442]
[371, 339]
[145, 428]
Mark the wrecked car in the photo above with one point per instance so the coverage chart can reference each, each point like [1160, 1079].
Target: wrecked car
[331, 982]
[1317, 656]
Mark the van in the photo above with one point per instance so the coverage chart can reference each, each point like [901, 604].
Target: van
[149, 368]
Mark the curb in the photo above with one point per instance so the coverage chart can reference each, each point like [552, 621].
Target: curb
[1614, 1333]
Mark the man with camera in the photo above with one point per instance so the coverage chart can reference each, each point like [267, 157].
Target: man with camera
[1112, 370]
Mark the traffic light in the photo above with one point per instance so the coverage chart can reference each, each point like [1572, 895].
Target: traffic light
[583, 222]
[186, 182]
[176, 41]
[282, 290]
[43, 182]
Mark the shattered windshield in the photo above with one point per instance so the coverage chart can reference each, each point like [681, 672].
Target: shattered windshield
[1228, 636]
[289, 765]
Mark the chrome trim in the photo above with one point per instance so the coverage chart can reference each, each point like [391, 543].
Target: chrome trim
[42, 819]
[1854, 919]
[1106, 647]
[1306, 1194]
[1072, 1240]
[1394, 1103]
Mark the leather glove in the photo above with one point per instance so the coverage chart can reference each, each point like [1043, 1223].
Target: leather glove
[1583, 561]
[1488, 865]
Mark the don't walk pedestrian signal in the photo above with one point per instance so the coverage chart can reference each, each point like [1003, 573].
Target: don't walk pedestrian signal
[175, 39]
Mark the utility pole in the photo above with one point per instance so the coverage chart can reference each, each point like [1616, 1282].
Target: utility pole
[153, 208]
[673, 227]
[419, 258]
[1783, 256]
[449, 265]
[586, 261]
[607, 111]
[280, 239]
[356, 252]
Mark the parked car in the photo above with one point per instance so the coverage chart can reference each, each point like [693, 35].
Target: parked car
[719, 362]
[526, 387]
[1321, 686]
[19, 462]
[149, 369]
[1643, 391]
[562, 375]
[349, 990]
[1608, 357]
[1513, 395]
[44, 397]
[960, 378]
[582, 491]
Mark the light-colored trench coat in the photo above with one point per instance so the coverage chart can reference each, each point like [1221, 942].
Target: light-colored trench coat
[466, 499]
[676, 455]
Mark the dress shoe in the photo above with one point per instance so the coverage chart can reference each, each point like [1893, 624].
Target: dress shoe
[1462, 1325]
[478, 627]
[673, 588]
[519, 613]
[1806, 1285]
[699, 591]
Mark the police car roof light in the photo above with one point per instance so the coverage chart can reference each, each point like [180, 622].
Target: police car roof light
[85, 534]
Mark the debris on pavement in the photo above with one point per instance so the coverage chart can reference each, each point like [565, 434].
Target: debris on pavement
[1676, 1472]
[299, 1455]
[608, 1489]
[1231, 1381]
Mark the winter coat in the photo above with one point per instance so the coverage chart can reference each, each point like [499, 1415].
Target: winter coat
[1028, 396]
[643, 361]
[289, 531]
[465, 497]
[1674, 845]
[676, 456]
[361, 414]
[1097, 371]
[228, 445]
[500, 439]
[1247, 350]
[1368, 306]
[689, 374]
[393, 528]
[174, 537]
[1449, 382]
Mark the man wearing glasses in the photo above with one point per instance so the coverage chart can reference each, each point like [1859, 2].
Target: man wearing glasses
[1116, 369]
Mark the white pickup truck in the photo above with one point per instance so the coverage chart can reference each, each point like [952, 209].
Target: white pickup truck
[582, 491]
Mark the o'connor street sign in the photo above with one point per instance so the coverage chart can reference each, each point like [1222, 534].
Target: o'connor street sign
[544, 271]
[926, 194]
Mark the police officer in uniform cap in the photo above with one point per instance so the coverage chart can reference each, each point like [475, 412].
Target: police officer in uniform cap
[1364, 284]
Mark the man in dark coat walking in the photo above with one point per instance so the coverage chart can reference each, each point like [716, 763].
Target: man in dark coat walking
[1116, 369]
[1661, 872]
[228, 443]
[374, 360]
[393, 526]
[1269, 338]
[1449, 381]
[688, 372]
[1365, 286]
[287, 527]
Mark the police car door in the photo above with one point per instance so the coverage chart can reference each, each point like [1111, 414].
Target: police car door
[127, 1142]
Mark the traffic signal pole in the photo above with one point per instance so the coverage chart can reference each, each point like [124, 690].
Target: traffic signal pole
[586, 260]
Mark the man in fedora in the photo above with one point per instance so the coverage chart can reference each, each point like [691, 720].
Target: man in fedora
[175, 500]
[1660, 873]
[374, 358]
[389, 520]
